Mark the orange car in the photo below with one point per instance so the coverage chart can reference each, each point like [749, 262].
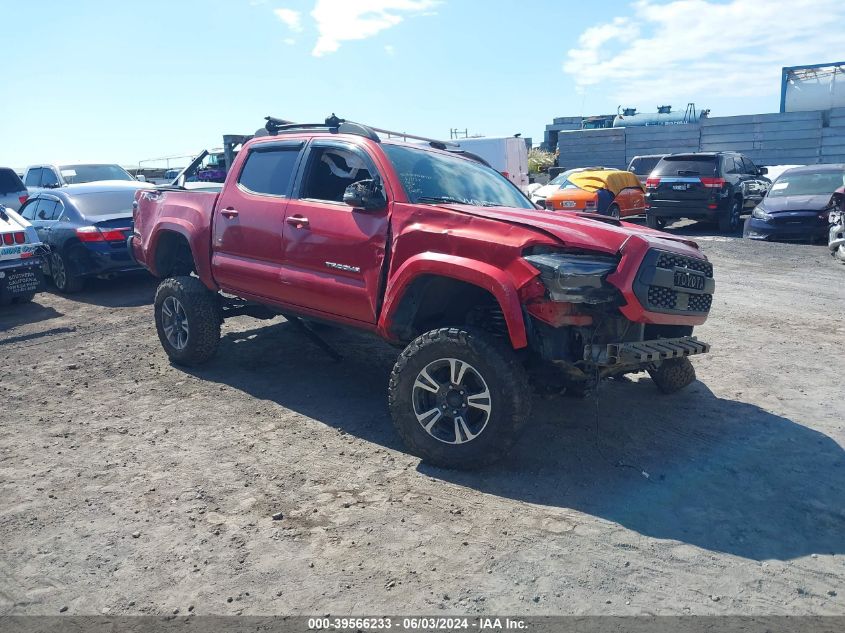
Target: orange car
[610, 192]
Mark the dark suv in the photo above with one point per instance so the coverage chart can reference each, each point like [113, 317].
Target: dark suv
[713, 186]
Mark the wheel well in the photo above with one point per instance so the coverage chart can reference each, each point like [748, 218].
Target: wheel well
[173, 256]
[432, 301]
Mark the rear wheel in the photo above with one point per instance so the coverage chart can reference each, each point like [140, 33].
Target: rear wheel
[613, 211]
[459, 398]
[187, 317]
[64, 274]
[729, 223]
[655, 222]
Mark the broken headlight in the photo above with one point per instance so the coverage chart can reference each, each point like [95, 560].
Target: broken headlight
[576, 277]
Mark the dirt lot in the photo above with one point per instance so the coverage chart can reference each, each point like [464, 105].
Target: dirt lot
[131, 486]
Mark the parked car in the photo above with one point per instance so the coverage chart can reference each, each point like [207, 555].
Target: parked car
[86, 227]
[642, 166]
[37, 177]
[13, 193]
[836, 238]
[508, 155]
[713, 186]
[797, 206]
[539, 194]
[610, 192]
[21, 255]
[432, 251]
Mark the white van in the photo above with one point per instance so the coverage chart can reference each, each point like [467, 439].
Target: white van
[507, 155]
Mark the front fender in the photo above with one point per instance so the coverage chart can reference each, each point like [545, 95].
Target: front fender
[502, 284]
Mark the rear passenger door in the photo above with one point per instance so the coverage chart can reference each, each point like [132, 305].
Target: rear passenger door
[755, 187]
[247, 236]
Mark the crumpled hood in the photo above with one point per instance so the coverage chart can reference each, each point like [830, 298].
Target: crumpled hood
[582, 230]
[780, 204]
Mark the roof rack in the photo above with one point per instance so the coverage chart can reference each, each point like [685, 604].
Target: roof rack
[337, 125]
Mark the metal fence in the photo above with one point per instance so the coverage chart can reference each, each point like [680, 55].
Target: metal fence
[790, 138]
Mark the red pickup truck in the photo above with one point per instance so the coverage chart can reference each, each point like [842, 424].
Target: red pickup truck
[430, 249]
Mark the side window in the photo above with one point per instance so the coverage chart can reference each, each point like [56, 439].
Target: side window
[48, 178]
[731, 165]
[269, 171]
[33, 177]
[29, 209]
[331, 170]
[46, 210]
[750, 168]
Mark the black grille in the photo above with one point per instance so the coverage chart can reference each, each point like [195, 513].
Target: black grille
[660, 297]
[655, 285]
[700, 303]
[670, 260]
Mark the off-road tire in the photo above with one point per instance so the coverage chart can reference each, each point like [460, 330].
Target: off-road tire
[730, 221]
[673, 375]
[506, 380]
[64, 272]
[202, 308]
[655, 221]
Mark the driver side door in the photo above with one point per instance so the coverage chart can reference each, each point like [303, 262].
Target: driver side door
[334, 253]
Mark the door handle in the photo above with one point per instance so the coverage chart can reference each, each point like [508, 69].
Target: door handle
[298, 221]
[229, 212]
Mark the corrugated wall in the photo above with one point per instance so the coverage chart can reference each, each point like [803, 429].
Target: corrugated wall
[791, 138]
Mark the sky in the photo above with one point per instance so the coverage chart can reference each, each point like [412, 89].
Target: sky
[114, 81]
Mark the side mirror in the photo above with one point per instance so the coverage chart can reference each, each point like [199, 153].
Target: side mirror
[141, 178]
[762, 171]
[365, 194]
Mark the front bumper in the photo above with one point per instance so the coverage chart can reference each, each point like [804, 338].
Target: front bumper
[755, 229]
[643, 352]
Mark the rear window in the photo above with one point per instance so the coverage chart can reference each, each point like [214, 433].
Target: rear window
[270, 171]
[104, 202]
[644, 166]
[686, 166]
[10, 182]
[76, 174]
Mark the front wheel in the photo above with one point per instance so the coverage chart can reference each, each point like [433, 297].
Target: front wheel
[673, 374]
[459, 398]
[187, 317]
[655, 221]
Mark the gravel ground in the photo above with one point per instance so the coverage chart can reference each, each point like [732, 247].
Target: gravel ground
[130, 486]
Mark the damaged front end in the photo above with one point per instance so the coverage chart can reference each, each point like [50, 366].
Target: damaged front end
[579, 335]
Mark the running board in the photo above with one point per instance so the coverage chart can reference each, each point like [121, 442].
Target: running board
[644, 351]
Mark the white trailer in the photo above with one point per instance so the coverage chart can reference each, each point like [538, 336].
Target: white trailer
[507, 155]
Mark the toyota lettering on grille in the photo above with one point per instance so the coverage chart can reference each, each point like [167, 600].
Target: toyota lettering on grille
[689, 280]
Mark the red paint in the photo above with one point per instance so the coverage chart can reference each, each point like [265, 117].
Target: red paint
[281, 251]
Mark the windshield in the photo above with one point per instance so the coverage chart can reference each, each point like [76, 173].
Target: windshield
[430, 177]
[686, 166]
[105, 202]
[75, 174]
[562, 178]
[807, 184]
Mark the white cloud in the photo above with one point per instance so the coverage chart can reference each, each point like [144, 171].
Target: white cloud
[343, 20]
[289, 41]
[689, 48]
[390, 50]
[290, 17]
